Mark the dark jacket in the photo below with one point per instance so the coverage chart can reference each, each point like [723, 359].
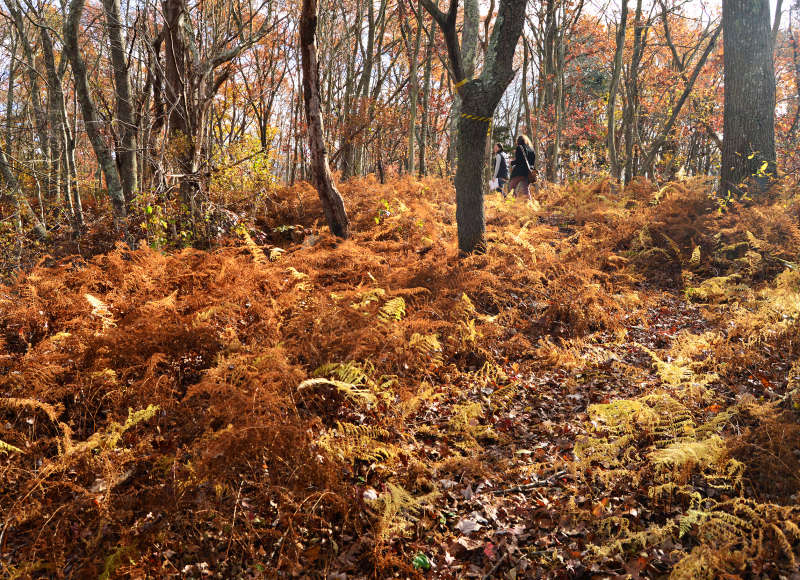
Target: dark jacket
[500, 172]
[518, 167]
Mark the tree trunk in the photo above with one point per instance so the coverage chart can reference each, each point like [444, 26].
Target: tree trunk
[524, 93]
[19, 197]
[21, 202]
[558, 108]
[470, 147]
[126, 151]
[179, 92]
[39, 113]
[350, 116]
[332, 203]
[748, 148]
[480, 97]
[549, 81]
[612, 92]
[90, 117]
[62, 141]
[466, 56]
[414, 93]
[796, 61]
[426, 95]
[632, 90]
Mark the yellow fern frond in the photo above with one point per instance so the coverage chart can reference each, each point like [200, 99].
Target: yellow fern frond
[166, 303]
[355, 392]
[347, 372]
[695, 259]
[682, 457]
[296, 274]
[468, 332]
[258, 253]
[8, 448]
[364, 442]
[399, 508]
[427, 345]
[115, 431]
[394, 309]
[503, 396]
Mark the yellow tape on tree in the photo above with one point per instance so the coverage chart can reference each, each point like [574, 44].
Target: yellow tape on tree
[482, 120]
[477, 118]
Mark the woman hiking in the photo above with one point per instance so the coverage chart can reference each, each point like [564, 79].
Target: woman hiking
[522, 167]
[500, 175]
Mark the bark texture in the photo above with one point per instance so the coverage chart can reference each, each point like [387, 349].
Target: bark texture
[613, 161]
[90, 116]
[748, 147]
[126, 118]
[332, 203]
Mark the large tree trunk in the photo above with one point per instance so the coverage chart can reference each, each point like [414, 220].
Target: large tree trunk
[748, 148]
[548, 79]
[470, 147]
[479, 100]
[468, 52]
[90, 117]
[332, 203]
[126, 151]
[796, 60]
[179, 92]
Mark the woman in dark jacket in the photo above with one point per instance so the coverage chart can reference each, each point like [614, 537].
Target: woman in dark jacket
[500, 168]
[523, 164]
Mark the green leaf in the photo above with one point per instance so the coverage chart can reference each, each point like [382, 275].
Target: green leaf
[421, 562]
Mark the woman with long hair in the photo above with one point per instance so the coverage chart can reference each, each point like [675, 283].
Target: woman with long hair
[522, 167]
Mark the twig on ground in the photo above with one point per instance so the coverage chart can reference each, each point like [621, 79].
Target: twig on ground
[490, 575]
[529, 486]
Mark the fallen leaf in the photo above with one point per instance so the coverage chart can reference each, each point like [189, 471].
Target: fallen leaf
[490, 550]
[467, 526]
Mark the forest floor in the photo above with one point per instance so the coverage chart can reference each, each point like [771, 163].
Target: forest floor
[611, 391]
